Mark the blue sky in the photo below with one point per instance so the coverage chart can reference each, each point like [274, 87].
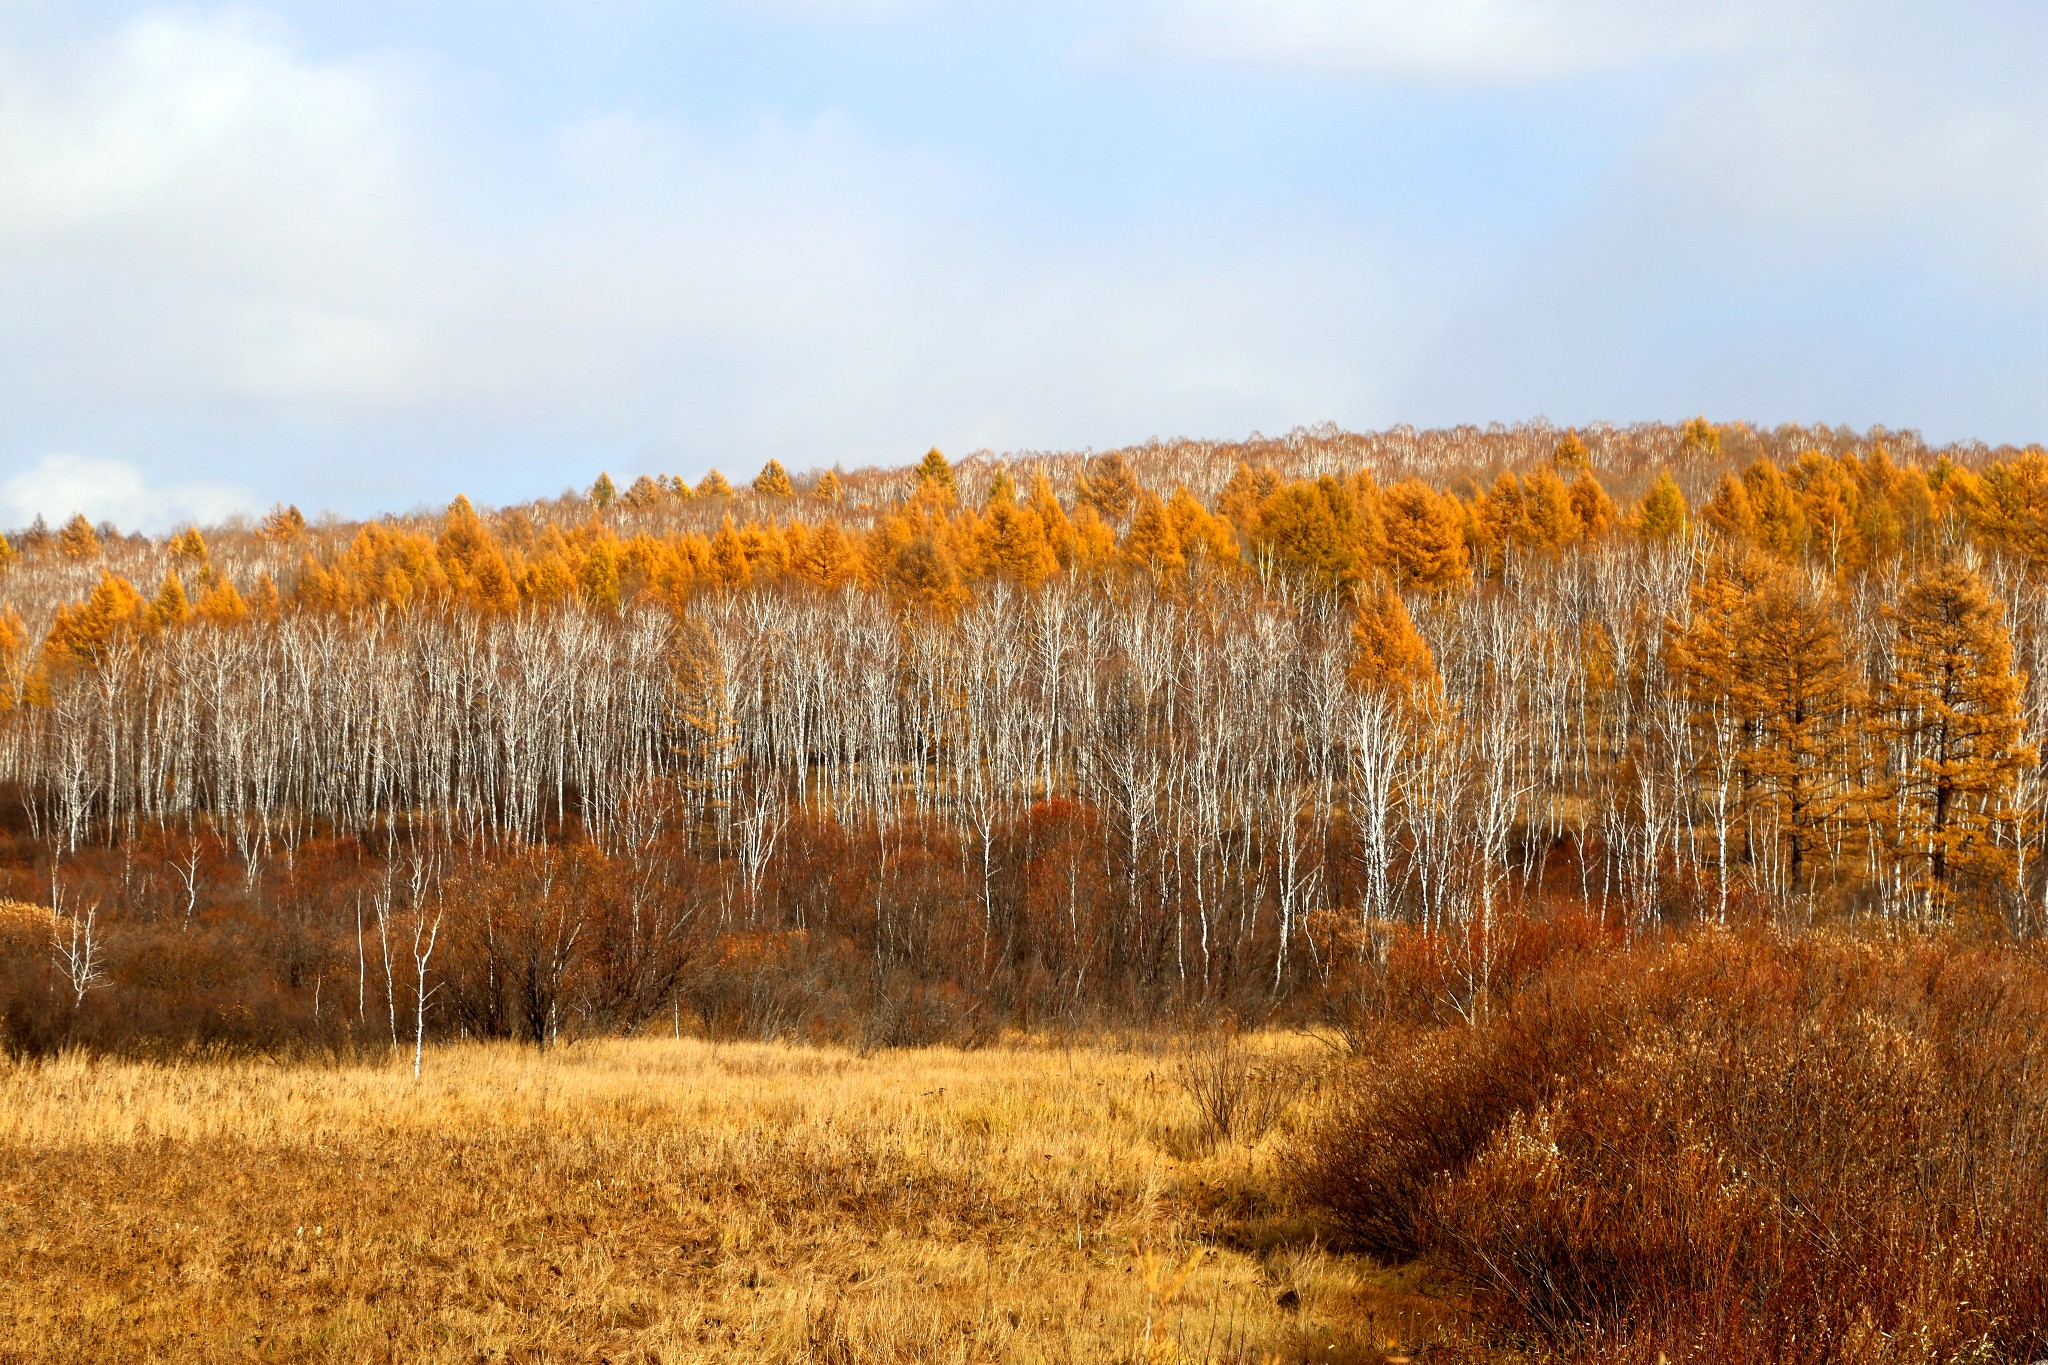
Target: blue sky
[366, 256]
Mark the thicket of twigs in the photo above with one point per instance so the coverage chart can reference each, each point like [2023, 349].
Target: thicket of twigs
[1733, 1145]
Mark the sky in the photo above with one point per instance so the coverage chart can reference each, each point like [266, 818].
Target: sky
[365, 257]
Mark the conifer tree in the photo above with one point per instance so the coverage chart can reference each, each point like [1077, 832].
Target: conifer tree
[1109, 487]
[1571, 453]
[1700, 439]
[1592, 506]
[1794, 680]
[81, 632]
[1778, 526]
[1388, 654]
[474, 564]
[283, 525]
[773, 481]
[1662, 515]
[645, 491]
[729, 556]
[827, 558]
[1547, 510]
[1306, 526]
[188, 546]
[8, 554]
[1503, 521]
[1202, 536]
[599, 580]
[604, 492]
[78, 540]
[13, 658]
[1013, 544]
[170, 607]
[1247, 490]
[1425, 538]
[1951, 712]
[1728, 512]
[2008, 503]
[831, 488]
[1152, 543]
[268, 601]
[222, 603]
[935, 477]
[713, 485]
[1059, 529]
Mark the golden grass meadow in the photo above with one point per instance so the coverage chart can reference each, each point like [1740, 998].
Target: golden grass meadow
[668, 1200]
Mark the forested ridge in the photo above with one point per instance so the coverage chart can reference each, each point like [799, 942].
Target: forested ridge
[925, 752]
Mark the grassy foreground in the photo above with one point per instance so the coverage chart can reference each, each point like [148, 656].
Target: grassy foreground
[657, 1200]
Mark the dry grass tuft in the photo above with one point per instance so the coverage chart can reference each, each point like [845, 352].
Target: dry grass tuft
[648, 1200]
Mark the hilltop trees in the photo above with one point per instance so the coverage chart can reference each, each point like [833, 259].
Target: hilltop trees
[1061, 733]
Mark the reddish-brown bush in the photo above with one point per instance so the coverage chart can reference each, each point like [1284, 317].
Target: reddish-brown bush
[1735, 1147]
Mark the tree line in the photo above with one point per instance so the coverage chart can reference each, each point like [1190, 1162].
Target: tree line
[1011, 739]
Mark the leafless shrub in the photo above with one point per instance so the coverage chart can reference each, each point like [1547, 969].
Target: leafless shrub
[1239, 1090]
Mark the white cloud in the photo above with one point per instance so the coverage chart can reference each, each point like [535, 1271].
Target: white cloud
[331, 280]
[198, 220]
[60, 486]
[1434, 41]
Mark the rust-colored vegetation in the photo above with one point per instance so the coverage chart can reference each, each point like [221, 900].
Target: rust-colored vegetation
[879, 915]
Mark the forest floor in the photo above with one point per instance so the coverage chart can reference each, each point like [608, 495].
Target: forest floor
[673, 1200]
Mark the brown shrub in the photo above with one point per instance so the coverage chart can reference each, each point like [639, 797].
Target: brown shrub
[1810, 1149]
[1420, 1113]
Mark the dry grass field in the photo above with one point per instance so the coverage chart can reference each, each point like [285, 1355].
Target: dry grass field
[657, 1200]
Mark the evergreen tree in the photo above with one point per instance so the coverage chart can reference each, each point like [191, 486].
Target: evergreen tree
[1662, 515]
[170, 607]
[1425, 538]
[1109, 487]
[1728, 512]
[604, 492]
[78, 540]
[1951, 712]
[1592, 506]
[1793, 678]
[283, 525]
[1387, 653]
[1152, 543]
[935, 477]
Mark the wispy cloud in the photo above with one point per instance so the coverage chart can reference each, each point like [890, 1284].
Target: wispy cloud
[58, 487]
[345, 277]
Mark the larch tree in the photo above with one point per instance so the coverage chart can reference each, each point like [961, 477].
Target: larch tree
[1950, 710]
[1152, 544]
[1109, 487]
[1794, 678]
[773, 481]
[78, 540]
[1388, 655]
[1663, 513]
[1425, 538]
[934, 476]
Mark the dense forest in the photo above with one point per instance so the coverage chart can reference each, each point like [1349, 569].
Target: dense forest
[1041, 739]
